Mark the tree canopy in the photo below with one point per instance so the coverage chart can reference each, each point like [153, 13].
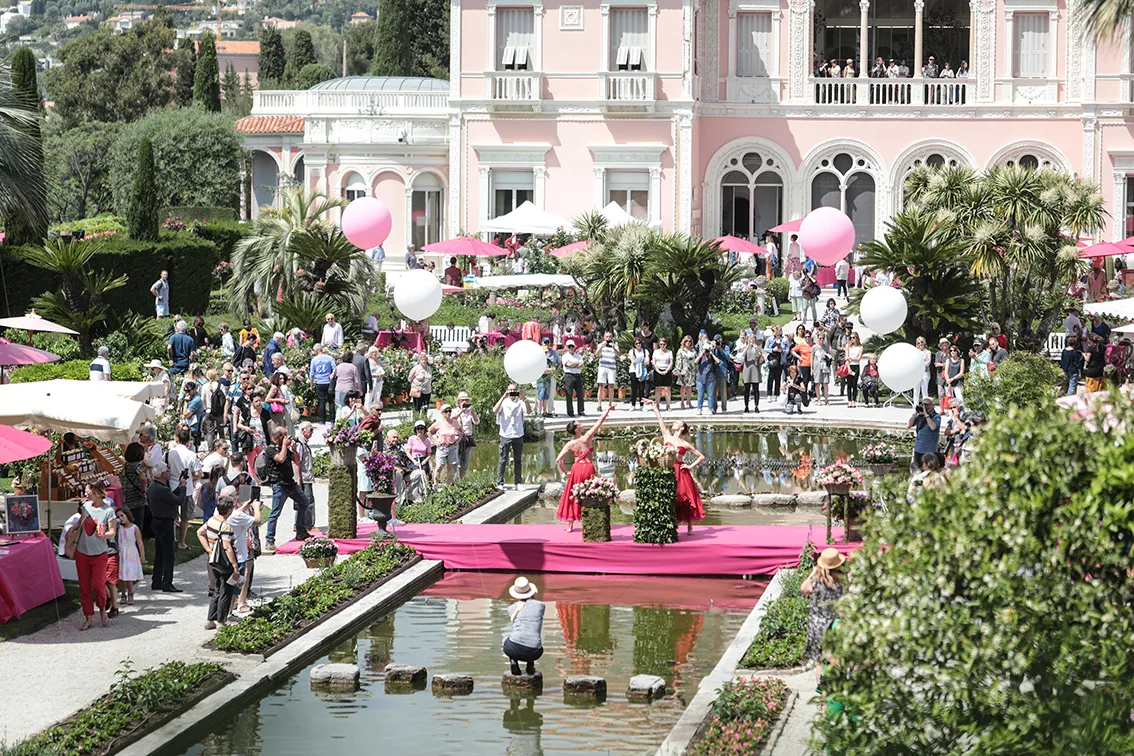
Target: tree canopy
[206, 77]
[142, 213]
[272, 59]
[412, 39]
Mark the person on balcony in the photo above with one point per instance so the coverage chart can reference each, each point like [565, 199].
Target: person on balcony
[879, 71]
[930, 69]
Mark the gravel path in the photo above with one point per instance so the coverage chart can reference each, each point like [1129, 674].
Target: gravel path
[797, 730]
[66, 670]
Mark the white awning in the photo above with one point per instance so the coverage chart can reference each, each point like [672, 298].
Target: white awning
[80, 407]
[531, 280]
[1122, 309]
[526, 219]
[616, 216]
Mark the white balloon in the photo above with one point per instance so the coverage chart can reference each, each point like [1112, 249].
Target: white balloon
[901, 366]
[883, 309]
[417, 294]
[525, 361]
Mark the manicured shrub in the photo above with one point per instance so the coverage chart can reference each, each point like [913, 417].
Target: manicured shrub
[203, 214]
[342, 515]
[443, 504]
[1022, 380]
[654, 513]
[142, 212]
[73, 370]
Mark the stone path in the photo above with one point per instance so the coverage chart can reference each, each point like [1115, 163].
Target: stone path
[797, 730]
[65, 670]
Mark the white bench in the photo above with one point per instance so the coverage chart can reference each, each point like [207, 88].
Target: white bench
[455, 339]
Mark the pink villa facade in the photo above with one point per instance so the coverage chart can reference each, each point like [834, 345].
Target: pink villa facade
[707, 117]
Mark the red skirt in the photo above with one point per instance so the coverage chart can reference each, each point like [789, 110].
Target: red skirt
[569, 509]
[689, 506]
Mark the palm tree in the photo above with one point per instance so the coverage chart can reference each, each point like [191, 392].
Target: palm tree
[688, 274]
[266, 256]
[332, 267]
[611, 272]
[1106, 18]
[22, 184]
[592, 226]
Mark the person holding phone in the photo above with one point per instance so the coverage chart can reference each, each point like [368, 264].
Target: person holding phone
[244, 520]
[510, 412]
[282, 461]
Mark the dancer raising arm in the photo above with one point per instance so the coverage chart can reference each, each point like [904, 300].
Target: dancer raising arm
[581, 445]
[689, 505]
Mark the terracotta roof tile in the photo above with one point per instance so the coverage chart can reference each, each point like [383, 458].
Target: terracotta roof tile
[270, 125]
[237, 47]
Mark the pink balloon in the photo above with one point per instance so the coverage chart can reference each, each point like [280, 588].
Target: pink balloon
[826, 235]
[367, 222]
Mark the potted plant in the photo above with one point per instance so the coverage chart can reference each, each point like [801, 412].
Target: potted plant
[653, 453]
[838, 478]
[595, 495]
[380, 501]
[343, 439]
[880, 457]
[319, 552]
[849, 511]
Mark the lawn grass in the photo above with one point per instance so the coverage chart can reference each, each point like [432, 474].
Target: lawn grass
[182, 555]
[42, 615]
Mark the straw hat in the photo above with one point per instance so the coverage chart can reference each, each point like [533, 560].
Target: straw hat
[522, 589]
[831, 559]
[155, 363]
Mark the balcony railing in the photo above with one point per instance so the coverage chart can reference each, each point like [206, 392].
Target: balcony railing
[637, 90]
[315, 102]
[893, 92]
[508, 89]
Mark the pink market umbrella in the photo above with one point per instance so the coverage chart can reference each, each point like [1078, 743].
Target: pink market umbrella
[465, 246]
[1105, 249]
[785, 227]
[33, 322]
[447, 289]
[736, 244]
[18, 354]
[570, 249]
[16, 445]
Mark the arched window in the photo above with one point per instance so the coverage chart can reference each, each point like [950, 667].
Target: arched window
[752, 196]
[842, 182]
[426, 209]
[298, 172]
[353, 187]
[265, 181]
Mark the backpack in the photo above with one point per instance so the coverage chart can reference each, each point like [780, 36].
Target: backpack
[260, 466]
[217, 402]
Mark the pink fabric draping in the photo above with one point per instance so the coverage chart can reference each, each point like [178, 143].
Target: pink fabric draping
[29, 576]
[114, 493]
[826, 276]
[495, 337]
[711, 550]
[531, 330]
[410, 340]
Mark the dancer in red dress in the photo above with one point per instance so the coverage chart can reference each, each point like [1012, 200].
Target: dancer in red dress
[580, 446]
[689, 506]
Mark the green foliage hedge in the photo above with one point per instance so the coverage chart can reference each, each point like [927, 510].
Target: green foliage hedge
[443, 504]
[341, 513]
[100, 224]
[655, 514]
[744, 712]
[223, 233]
[1022, 380]
[189, 259]
[198, 213]
[74, 370]
[782, 639]
[130, 701]
[306, 603]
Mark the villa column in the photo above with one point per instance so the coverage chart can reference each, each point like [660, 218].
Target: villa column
[653, 206]
[540, 180]
[485, 194]
[600, 186]
[1009, 42]
[731, 42]
[409, 210]
[1118, 226]
[863, 41]
[919, 18]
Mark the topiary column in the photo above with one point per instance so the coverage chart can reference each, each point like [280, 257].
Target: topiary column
[655, 509]
[342, 520]
[596, 521]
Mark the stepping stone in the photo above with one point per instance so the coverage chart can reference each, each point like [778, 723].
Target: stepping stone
[645, 688]
[811, 499]
[551, 490]
[584, 687]
[629, 496]
[337, 676]
[452, 685]
[525, 684]
[774, 501]
[731, 501]
[406, 676]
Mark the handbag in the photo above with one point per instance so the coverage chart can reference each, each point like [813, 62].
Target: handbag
[276, 407]
[415, 393]
[843, 371]
[72, 543]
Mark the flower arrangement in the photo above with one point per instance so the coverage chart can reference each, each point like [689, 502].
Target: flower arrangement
[839, 474]
[654, 453]
[380, 469]
[345, 434]
[173, 224]
[319, 548]
[596, 489]
[880, 453]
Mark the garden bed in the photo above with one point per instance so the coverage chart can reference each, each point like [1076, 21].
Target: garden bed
[135, 706]
[744, 715]
[283, 619]
[782, 638]
[452, 502]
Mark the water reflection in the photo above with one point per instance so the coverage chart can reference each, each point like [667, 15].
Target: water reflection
[524, 724]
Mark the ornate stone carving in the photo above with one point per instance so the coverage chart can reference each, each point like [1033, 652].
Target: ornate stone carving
[1047, 156]
[799, 63]
[984, 56]
[571, 18]
[1090, 124]
[711, 71]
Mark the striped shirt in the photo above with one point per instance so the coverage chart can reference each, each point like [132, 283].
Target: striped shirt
[608, 357]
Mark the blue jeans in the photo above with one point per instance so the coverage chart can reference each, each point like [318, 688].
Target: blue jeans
[1072, 383]
[281, 492]
[707, 387]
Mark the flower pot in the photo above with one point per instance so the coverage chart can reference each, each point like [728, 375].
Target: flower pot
[380, 508]
[314, 562]
[853, 530]
[837, 489]
[881, 468]
[344, 456]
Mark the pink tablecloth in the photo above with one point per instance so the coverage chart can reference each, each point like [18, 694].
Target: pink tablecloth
[29, 576]
[410, 340]
[826, 276]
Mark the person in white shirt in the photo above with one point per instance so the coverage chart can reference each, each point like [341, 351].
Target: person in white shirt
[179, 458]
[332, 333]
[245, 516]
[510, 412]
[100, 366]
[227, 347]
[218, 457]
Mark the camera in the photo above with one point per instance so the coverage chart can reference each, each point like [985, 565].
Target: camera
[513, 394]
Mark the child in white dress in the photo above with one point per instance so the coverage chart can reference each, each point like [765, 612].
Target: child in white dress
[131, 554]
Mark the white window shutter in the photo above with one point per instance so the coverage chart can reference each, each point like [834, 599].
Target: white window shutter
[514, 34]
[753, 43]
[629, 29]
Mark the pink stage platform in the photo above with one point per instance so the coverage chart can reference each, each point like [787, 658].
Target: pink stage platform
[711, 550]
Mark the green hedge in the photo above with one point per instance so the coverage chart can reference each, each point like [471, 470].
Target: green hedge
[442, 504]
[74, 370]
[189, 213]
[225, 234]
[308, 602]
[655, 512]
[782, 639]
[131, 700]
[189, 259]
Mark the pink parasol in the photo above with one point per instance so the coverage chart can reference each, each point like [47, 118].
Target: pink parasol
[18, 354]
[1105, 249]
[16, 445]
[447, 289]
[736, 244]
[37, 323]
[465, 246]
[785, 227]
[571, 249]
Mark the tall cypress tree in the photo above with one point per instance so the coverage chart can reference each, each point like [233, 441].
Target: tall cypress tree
[25, 87]
[186, 71]
[206, 80]
[393, 49]
[142, 214]
[272, 57]
[302, 50]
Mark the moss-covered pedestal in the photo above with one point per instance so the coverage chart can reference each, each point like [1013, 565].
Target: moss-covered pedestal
[596, 520]
[655, 510]
[342, 517]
